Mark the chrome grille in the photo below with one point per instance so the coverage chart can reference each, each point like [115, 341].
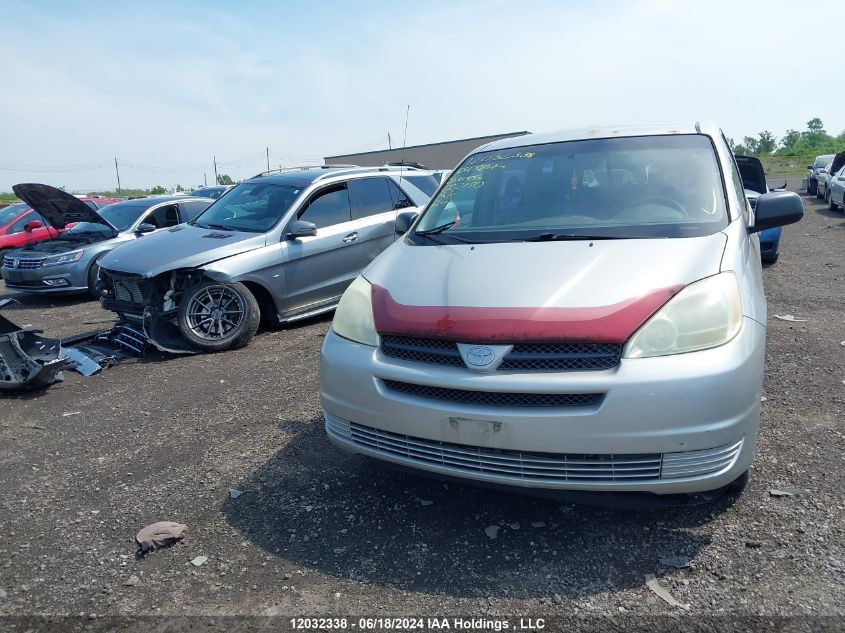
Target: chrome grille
[127, 290]
[697, 463]
[508, 463]
[24, 263]
[523, 356]
[533, 466]
[495, 398]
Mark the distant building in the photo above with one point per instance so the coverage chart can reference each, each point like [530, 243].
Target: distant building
[445, 155]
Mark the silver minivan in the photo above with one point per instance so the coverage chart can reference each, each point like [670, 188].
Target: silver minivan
[578, 311]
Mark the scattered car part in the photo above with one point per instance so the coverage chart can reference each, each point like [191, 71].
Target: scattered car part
[27, 359]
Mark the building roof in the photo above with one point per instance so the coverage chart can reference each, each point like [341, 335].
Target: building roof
[411, 147]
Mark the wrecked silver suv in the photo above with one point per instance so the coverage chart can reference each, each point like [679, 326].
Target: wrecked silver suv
[281, 246]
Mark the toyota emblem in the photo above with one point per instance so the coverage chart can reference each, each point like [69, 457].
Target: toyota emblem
[479, 356]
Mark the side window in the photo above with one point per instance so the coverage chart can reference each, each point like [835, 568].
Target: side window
[737, 184]
[370, 196]
[18, 226]
[400, 200]
[328, 206]
[191, 209]
[163, 217]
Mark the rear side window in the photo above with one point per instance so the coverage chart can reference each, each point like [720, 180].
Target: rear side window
[329, 206]
[427, 184]
[370, 196]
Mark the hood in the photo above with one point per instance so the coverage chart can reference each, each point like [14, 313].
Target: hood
[58, 207]
[183, 246]
[528, 291]
[752, 173]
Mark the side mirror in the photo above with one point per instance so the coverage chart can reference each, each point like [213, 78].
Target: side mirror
[404, 221]
[301, 228]
[31, 226]
[777, 209]
[809, 166]
[145, 227]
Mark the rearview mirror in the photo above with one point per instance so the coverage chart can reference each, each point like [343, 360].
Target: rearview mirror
[31, 226]
[404, 221]
[301, 228]
[145, 227]
[777, 209]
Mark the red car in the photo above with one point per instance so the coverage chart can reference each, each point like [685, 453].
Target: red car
[20, 225]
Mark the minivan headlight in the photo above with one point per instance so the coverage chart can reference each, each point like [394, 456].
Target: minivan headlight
[353, 318]
[705, 314]
[64, 258]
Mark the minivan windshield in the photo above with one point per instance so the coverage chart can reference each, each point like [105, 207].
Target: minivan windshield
[249, 206]
[632, 187]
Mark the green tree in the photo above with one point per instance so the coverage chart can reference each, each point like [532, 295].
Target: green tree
[179, 188]
[225, 179]
[158, 190]
[750, 144]
[815, 134]
[790, 140]
[766, 142]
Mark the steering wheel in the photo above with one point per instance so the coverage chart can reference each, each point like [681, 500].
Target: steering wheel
[228, 213]
[661, 200]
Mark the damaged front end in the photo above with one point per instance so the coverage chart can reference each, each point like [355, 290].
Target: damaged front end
[152, 303]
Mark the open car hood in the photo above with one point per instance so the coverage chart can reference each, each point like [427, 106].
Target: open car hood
[58, 207]
[752, 173]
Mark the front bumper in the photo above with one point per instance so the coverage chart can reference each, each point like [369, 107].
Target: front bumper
[50, 279]
[675, 424]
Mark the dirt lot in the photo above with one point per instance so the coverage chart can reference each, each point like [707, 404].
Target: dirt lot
[89, 462]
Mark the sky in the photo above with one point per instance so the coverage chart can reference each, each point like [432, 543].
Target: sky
[166, 86]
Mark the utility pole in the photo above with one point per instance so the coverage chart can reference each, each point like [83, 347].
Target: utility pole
[216, 181]
[204, 180]
[389, 144]
[268, 158]
[117, 172]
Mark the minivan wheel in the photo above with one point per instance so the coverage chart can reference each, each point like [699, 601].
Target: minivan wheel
[214, 317]
[831, 204]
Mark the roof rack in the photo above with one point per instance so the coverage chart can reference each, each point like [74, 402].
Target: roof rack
[282, 170]
[354, 169]
[412, 164]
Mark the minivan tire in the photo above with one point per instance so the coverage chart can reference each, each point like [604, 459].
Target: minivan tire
[831, 204]
[232, 299]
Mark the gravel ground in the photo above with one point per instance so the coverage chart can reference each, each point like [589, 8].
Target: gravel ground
[89, 462]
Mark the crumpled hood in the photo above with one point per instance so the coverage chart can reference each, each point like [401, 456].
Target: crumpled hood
[542, 291]
[182, 246]
[59, 208]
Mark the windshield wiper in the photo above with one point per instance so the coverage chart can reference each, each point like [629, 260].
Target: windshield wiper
[438, 230]
[564, 237]
[220, 227]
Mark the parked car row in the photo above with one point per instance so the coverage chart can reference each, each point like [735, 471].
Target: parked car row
[555, 316]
